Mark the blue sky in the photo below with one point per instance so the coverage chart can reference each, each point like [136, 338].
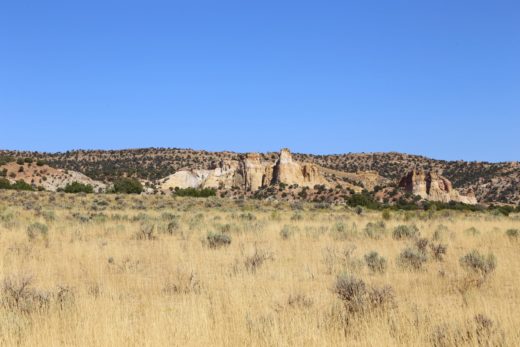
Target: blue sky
[437, 78]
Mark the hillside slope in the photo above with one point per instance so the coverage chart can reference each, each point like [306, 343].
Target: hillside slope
[491, 182]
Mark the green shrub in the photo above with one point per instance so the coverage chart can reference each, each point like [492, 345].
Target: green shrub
[4, 183]
[128, 185]
[19, 161]
[478, 263]
[362, 200]
[412, 258]
[40, 162]
[3, 172]
[216, 240]
[194, 192]
[77, 187]
[5, 160]
[21, 185]
[405, 232]
[375, 262]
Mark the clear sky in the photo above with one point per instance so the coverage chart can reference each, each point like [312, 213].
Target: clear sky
[437, 78]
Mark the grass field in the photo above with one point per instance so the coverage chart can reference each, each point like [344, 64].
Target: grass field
[108, 270]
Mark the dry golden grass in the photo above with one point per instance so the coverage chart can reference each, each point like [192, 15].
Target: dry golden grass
[99, 277]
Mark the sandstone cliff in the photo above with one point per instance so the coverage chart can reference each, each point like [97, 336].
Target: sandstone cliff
[249, 173]
[432, 186]
[287, 171]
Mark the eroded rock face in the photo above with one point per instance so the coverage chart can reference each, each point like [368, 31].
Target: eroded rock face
[249, 174]
[255, 173]
[432, 186]
[290, 172]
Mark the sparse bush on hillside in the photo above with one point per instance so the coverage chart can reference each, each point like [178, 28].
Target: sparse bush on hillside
[127, 185]
[77, 187]
[5, 160]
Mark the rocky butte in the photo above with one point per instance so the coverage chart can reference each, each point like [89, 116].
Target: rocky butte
[432, 186]
[249, 174]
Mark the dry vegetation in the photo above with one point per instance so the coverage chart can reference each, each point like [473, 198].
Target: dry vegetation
[111, 270]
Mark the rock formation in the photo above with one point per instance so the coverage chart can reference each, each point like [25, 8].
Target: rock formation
[249, 173]
[432, 186]
[290, 172]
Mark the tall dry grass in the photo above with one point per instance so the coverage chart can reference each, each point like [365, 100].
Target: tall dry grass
[98, 276]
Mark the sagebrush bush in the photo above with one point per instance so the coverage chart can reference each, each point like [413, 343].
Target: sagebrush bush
[146, 232]
[18, 295]
[405, 232]
[216, 240]
[375, 262]
[478, 263]
[375, 230]
[412, 258]
[357, 297]
[422, 245]
[37, 231]
[254, 261]
[438, 250]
